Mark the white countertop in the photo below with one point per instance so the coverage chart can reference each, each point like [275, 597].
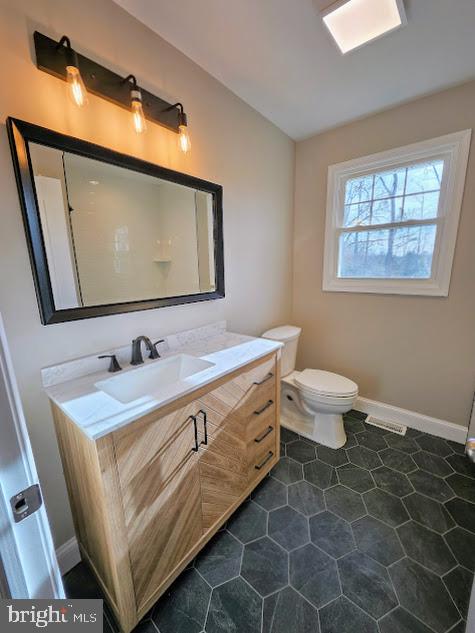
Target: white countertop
[98, 414]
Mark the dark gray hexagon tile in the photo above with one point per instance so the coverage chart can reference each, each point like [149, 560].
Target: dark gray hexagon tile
[306, 498]
[391, 481]
[459, 583]
[220, 560]
[182, 609]
[373, 441]
[367, 584]
[352, 425]
[282, 449]
[429, 512]
[463, 513]
[314, 574]
[401, 621]
[270, 494]
[426, 547]
[402, 443]
[364, 457]
[430, 485]
[287, 436]
[434, 445]
[385, 507]
[456, 447]
[234, 606]
[462, 465]
[265, 566]
[358, 415]
[462, 544]
[248, 523]
[320, 474]
[461, 627]
[286, 611]
[423, 594]
[288, 527]
[432, 464]
[397, 460]
[463, 486]
[301, 451]
[354, 477]
[287, 471]
[345, 503]
[332, 534]
[342, 616]
[377, 540]
[332, 456]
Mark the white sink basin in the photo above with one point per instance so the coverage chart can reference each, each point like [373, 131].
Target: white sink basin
[150, 380]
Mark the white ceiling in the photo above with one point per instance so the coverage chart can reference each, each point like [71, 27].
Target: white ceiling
[278, 56]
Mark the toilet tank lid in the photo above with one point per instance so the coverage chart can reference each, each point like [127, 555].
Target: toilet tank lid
[283, 333]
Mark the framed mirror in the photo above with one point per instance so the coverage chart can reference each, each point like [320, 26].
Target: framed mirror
[108, 233]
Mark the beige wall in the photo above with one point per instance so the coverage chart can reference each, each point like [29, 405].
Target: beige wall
[232, 145]
[413, 352]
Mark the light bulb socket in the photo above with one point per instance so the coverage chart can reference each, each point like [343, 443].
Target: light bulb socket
[69, 53]
[136, 95]
[182, 119]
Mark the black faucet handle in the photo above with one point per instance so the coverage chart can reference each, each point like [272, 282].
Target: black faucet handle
[114, 363]
[154, 351]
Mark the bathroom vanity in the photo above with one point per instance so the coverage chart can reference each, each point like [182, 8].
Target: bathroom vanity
[150, 481]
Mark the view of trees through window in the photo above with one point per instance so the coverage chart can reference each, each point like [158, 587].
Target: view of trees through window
[390, 222]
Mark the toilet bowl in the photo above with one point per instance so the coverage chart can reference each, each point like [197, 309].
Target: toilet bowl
[313, 400]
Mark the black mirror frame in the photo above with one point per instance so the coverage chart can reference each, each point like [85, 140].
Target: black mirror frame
[20, 133]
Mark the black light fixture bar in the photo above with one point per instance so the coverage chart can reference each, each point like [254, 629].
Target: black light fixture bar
[52, 58]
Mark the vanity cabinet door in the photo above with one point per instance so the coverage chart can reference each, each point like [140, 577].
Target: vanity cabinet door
[159, 477]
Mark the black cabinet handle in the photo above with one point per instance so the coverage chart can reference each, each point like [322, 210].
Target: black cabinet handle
[268, 404]
[197, 445]
[205, 426]
[267, 432]
[270, 455]
[261, 382]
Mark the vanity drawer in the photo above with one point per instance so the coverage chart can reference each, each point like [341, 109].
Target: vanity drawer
[262, 455]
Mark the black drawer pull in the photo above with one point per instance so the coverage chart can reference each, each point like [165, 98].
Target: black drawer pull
[264, 435]
[205, 425]
[197, 445]
[270, 455]
[268, 404]
[261, 382]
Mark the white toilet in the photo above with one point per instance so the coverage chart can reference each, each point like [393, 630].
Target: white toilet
[313, 401]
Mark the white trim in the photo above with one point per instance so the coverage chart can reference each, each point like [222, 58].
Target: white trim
[68, 555]
[420, 422]
[454, 149]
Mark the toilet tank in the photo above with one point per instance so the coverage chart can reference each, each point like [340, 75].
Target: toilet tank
[289, 336]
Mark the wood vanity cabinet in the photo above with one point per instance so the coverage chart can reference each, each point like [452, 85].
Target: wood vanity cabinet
[147, 497]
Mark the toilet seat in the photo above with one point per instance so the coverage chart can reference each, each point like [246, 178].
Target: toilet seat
[325, 384]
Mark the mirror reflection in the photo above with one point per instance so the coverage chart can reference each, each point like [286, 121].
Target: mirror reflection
[114, 235]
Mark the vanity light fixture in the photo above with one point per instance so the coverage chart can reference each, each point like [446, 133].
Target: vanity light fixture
[60, 60]
[354, 23]
[136, 107]
[184, 141]
[77, 89]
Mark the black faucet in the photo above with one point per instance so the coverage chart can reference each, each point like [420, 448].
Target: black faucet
[137, 358]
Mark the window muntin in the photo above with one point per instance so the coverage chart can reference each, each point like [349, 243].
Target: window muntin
[401, 200]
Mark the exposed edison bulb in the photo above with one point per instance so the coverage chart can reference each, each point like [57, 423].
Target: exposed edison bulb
[138, 116]
[184, 141]
[77, 89]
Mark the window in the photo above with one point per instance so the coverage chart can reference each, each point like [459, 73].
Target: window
[392, 218]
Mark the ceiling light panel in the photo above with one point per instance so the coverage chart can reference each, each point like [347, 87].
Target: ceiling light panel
[354, 23]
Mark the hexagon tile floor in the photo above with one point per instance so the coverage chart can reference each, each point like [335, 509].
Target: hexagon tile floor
[378, 537]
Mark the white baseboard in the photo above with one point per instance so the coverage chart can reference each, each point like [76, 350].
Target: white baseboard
[68, 555]
[434, 426]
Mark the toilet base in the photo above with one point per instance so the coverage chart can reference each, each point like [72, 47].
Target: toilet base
[324, 428]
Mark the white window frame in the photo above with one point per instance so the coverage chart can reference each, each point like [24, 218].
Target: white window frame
[454, 150]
